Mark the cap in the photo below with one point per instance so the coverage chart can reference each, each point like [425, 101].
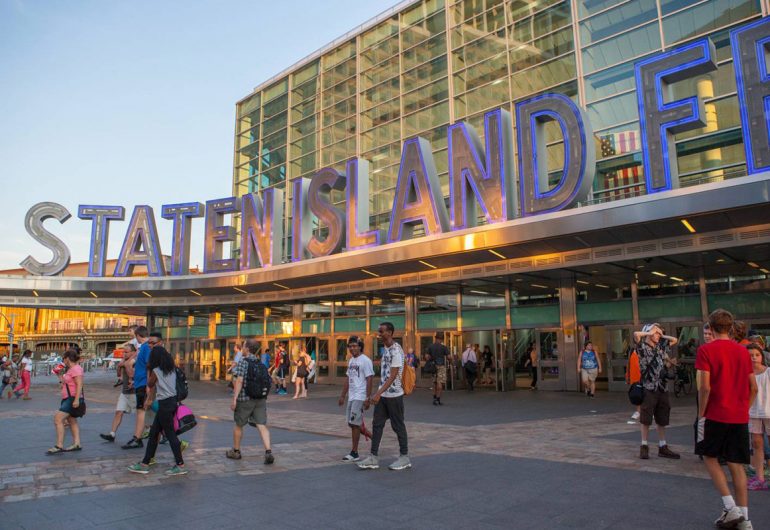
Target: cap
[355, 339]
[439, 335]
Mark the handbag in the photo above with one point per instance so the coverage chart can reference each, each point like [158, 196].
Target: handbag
[80, 410]
[636, 391]
[429, 367]
[471, 367]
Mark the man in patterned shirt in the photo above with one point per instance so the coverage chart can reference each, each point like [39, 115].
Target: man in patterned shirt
[246, 409]
[653, 348]
[388, 402]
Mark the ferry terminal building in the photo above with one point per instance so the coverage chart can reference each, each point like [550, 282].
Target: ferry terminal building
[621, 256]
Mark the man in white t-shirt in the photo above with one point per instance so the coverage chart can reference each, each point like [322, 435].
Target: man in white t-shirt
[358, 386]
[389, 402]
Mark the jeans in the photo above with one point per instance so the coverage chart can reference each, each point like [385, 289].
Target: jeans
[470, 377]
[389, 409]
[533, 373]
[164, 421]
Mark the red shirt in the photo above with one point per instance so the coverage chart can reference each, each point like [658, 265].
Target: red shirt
[729, 365]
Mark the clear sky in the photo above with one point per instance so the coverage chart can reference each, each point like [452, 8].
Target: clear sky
[125, 103]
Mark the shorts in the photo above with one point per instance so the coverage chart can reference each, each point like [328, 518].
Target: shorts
[655, 405]
[126, 405]
[355, 413]
[440, 375]
[66, 405]
[141, 395]
[253, 412]
[759, 425]
[589, 374]
[281, 372]
[727, 440]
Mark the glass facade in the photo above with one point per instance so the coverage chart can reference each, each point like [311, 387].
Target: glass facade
[436, 62]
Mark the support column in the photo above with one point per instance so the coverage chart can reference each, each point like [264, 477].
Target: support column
[508, 318]
[296, 320]
[568, 314]
[635, 304]
[459, 302]
[704, 301]
[410, 322]
[193, 370]
[151, 322]
[212, 365]
[240, 318]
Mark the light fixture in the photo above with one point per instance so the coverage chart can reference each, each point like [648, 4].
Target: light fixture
[602, 285]
[145, 293]
[241, 290]
[765, 271]
[196, 293]
[428, 264]
[478, 292]
[720, 260]
[281, 286]
[370, 273]
[396, 294]
[752, 264]
[656, 273]
[35, 293]
[581, 282]
[93, 294]
[676, 279]
[496, 253]
[688, 226]
[538, 285]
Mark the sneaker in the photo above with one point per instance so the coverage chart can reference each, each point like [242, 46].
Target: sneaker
[140, 468]
[370, 462]
[152, 462]
[107, 437]
[635, 416]
[233, 454]
[730, 518]
[402, 462]
[644, 452]
[745, 525]
[146, 434]
[750, 471]
[184, 445]
[435, 401]
[163, 440]
[591, 396]
[665, 452]
[269, 458]
[176, 470]
[756, 484]
[134, 443]
[351, 457]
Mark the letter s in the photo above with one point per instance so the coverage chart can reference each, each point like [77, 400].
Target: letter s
[33, 222]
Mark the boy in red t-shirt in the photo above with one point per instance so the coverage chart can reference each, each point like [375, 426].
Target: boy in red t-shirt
[726, 389]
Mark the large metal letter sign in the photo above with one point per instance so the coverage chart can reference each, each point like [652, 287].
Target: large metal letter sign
[418, 194]
[140, 246]
[301, 219]
[357, 195]
[33, 222]
[536, 195]
[216, 235]
[751, 45]
[659, 121]
[180, 238]
[261, 229]
[319, 199]
[489, 183]
[100, 233]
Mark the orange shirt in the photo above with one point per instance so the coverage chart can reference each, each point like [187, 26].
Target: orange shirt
[633, 373]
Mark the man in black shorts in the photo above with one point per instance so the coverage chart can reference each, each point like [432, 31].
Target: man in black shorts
[439, 353]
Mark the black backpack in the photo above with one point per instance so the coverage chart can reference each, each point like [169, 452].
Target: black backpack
[257, 380]
[182, 389]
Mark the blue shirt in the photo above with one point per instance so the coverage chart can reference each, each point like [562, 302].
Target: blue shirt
[140, 366]
[589, 361]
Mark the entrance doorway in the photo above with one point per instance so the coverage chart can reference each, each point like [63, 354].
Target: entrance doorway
[551, 369]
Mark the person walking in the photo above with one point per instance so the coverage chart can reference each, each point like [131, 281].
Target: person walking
[301, 364]
[726, 390]
[759, 417]
[71, 401]
[10, 378]
[146, 343]
[439, 354]
[633, 375]
[249, 376]
[470, 366]
[26, 375]
[161, 384]
[388, 402]
[281, 369]
[126, 400]
[357, 387]
[486, 357]
[589, 366]
[653, 348]
[411, 359]
[531, 362]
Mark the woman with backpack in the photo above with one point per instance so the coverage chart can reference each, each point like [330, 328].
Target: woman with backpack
[72, 404]
[161, 381]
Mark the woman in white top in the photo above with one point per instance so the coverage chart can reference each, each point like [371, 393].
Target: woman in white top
[759, 416]
[26, 375]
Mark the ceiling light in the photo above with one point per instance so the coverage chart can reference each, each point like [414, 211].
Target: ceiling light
[496, 253]
[688, 226]
[93, 294]
[196, 293]
[765, 271]
[677, 279]
[240, 290]
[145, 293]
[720, 260]
[370, 273]
[602, 285]
[656, 273]
[581, 282]
[752, 264]
[281, 286]
[538, 285]
[428, 264]
[396, 294]
[35, 292]
[478, 292]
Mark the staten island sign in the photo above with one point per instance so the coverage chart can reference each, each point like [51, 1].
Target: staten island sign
[479, 176]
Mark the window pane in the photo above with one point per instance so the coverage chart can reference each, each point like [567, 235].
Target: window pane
[706, 17]
[615, 50]
[545, 75]
[617, 20]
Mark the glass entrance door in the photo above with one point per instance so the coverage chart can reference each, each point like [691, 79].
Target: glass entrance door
[505, 361]
[550, 360]
[619, 345]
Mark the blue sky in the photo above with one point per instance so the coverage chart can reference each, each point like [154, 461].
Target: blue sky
[125, 103]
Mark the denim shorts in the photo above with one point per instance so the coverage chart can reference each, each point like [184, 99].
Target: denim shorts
[66, 405]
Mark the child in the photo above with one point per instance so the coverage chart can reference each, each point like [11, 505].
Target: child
[759, 416]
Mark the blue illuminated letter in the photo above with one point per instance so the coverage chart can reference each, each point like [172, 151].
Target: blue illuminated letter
[180, 239]
[100, 233]
[216, 235]
[140, 246]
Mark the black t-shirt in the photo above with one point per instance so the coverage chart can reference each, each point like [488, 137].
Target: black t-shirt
[438, 352]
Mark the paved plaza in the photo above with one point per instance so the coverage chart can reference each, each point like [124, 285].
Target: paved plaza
[484, 460]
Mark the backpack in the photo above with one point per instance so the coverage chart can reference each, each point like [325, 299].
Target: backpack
[182, 389]
[408, 379]
[257, 381]
[184, 419]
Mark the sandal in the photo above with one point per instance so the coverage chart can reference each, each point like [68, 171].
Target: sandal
[72, 447]
[55, 450]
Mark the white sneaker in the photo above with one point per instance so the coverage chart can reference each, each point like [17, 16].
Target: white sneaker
[730, 518]
[745, 525]
[370, 462]
[351, 457]
[635, 416]
[402, 462]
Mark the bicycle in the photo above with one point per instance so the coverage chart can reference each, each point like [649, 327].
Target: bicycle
[683, 380]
